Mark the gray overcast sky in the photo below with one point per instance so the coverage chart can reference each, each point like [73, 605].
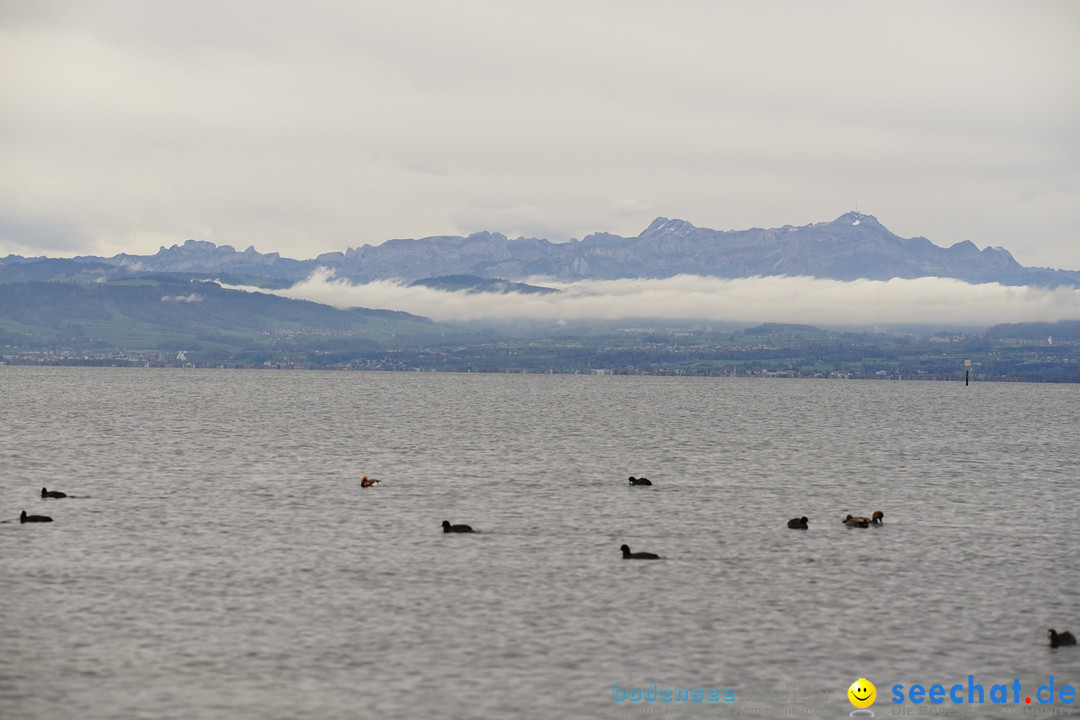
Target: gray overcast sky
[306, 127]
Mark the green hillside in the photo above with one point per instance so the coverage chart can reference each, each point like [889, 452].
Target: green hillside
[170, 315]
[181, 320]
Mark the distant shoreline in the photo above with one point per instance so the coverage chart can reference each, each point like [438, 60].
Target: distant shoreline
[1064, 374]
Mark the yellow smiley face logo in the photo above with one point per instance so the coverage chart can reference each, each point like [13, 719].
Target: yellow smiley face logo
[862, 693]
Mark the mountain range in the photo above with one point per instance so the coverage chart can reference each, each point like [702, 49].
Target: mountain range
[853, 246]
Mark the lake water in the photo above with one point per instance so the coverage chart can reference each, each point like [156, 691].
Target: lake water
[217, 557]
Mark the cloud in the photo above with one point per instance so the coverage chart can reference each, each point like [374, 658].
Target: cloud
[193, 297]
[759, 299]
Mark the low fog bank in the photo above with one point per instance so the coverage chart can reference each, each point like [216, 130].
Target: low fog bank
[874, 303]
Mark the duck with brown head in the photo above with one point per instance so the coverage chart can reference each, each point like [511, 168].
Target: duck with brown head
[862, 521]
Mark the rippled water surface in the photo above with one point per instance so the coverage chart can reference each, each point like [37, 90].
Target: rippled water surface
[217, 557]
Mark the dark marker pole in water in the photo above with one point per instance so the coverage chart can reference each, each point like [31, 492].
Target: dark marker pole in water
[967, 371]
